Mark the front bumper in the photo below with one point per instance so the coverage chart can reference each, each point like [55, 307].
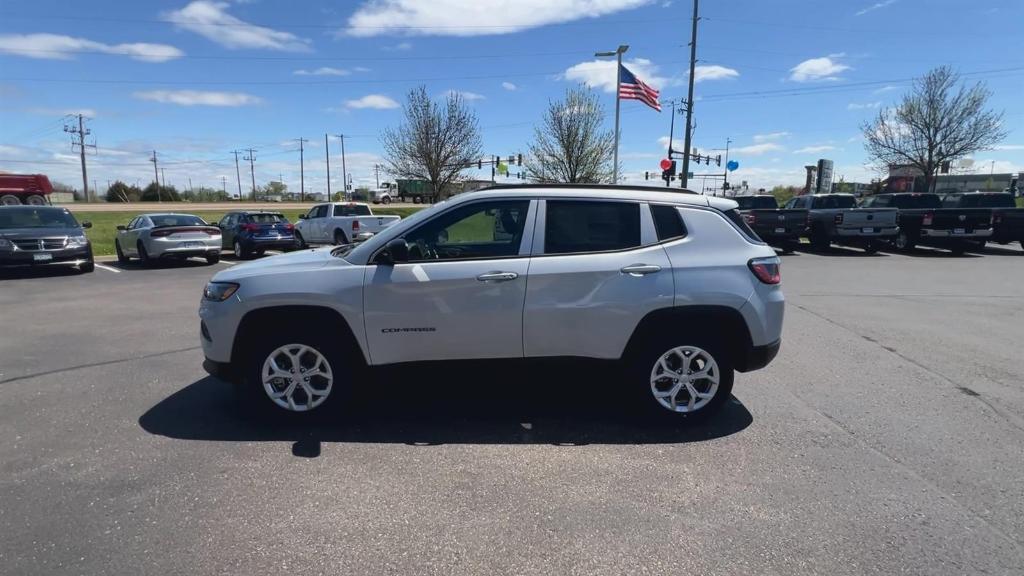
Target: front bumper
[63, 257]
[932, 233]
[758, 357]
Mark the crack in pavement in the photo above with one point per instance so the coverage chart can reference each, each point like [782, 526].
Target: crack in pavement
[94, 364]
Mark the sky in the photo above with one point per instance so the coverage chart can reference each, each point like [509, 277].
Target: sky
[782, 82]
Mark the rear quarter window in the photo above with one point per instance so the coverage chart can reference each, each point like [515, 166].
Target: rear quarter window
[736, 218]
[668, 223]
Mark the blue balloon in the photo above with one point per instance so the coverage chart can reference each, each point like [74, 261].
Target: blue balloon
[732, 165]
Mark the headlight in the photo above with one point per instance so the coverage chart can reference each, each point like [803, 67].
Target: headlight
[6, 244]
[219, 291]
[77, 241]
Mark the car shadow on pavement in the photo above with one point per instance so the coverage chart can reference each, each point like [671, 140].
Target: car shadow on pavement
[1000, 250]
[423, 413]
[167, 263]
[839, 251]
[28, 272]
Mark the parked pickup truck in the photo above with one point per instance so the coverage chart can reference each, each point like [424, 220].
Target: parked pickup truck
[1007, 219]
[836, 219]
[923, 220]
[774, 225]
[340, 223]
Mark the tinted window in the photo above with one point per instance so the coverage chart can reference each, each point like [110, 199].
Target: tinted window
[667, 222]
[162, 220]
[265, 218]
[979, 201]
[736, 218]
[834, 201]
[479, 230]
[582, 226]
[36, 218]
[351, 210]
[756, 202]
[911, 201]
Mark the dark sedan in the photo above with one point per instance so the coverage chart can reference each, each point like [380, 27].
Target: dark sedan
[251, 233]
[43, 236]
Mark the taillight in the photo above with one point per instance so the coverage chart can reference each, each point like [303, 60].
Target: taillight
[768, 270]
[251, 227]
[928, 217]
[839, 218]
[355, 225]
[161, 233]
[289, 226]
[750, 219]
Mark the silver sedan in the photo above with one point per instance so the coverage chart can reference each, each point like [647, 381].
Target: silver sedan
[151, 237]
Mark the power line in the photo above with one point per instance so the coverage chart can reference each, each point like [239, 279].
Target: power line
[504, 56]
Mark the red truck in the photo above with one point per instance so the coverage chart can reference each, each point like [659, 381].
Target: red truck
[30, 189]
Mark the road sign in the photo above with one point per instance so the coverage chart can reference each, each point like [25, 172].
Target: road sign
[732, 165]
[665, 164]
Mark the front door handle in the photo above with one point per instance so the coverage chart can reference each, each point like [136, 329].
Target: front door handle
[641, 269]
[497, 276]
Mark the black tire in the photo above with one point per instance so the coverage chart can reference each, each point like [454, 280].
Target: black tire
[122, 258]
[212, 257]
[10, 200]
[819, 239]
[904, 241]
[416, 199]
[254, 397]
[241, 252]
[35, 200]
[143, 255]
[386, 201]
[870, 248]
[640, 367]
[958, 249]
[339, 238]
[87, 266]
[300, 242]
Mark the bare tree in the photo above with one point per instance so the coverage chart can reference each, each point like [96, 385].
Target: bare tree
[569, 145]
[936, 122]
[436, 142]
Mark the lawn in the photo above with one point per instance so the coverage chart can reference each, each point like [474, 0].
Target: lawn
[104, 224]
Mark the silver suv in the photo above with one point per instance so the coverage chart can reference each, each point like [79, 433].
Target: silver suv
[674, 285]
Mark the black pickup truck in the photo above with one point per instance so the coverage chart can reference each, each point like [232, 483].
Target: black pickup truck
[776, 226]
[923, 220]
[1007, 219]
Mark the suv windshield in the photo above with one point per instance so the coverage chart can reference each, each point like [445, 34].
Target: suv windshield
[36, 218]
[756, 202]
[162, 220]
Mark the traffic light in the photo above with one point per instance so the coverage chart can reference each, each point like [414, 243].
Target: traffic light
[647, 175]
[667, 175]
[479, 164]
[519, 159]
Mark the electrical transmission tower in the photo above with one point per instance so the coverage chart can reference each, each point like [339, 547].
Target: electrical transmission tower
[80, 132]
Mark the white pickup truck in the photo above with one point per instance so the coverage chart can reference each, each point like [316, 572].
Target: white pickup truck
[340, 223]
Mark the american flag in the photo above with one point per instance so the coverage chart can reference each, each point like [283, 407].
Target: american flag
[632, 88]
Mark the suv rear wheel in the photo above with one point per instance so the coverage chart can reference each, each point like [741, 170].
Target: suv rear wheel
[683, 378]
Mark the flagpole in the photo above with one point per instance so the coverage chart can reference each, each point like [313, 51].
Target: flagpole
[618, 85]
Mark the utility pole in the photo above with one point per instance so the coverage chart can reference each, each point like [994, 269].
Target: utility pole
[80, 133]
[344, 167]
[163, 178]
[190, 184]
[327, 154]
[238, 176]
[302, 176]
[156, 176]
[725, 173]
[224, 184]
[252, 171]
[376, 173]
[689, 99]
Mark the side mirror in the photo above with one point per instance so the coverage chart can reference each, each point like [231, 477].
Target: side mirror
[120, 227]
[302, 216]
[395, 252]
[86, 224]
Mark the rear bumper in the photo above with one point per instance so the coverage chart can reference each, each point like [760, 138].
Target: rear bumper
[932, 233]
[177, 248]
[847, 233]
[271, 242]
[758, 357]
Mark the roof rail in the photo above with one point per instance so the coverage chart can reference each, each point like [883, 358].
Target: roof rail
[562, 186]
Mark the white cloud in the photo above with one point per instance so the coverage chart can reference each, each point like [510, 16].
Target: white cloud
[864, 106]
[1008, 147]
[885, 89]
[468, 96]
[814, 149]
[198, 98]
[361, 69]
[60, 47]
[87, 112]
[601, 73]
[824, 68]
[374, 101]
[874, 6]
[322, 71]
[211, 20]
[713, 72]
[770, 136]
[757, 149]
[509, 86]
[474, 18]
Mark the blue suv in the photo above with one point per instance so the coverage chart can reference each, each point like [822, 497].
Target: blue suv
[252, 232]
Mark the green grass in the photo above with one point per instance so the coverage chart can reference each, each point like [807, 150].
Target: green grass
[1020, 202]
[104, 224]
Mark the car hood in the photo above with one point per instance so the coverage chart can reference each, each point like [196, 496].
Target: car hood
[12, 233]
[282, 263]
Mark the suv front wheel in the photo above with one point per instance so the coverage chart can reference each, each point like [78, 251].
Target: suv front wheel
[294, 374]
[683, 379]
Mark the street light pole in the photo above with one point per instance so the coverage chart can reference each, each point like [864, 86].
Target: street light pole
[618, 82]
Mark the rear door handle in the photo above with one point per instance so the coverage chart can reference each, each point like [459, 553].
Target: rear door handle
[497, 276]
[641, 269]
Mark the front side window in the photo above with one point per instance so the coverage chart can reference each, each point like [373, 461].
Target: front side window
[479, 230]
[576, 226]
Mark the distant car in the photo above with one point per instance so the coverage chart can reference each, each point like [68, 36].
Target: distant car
[923, 220]
[776, 226]
[252, 232]
[340, 223]
[836, 219]
[151, 237]
[43, 236]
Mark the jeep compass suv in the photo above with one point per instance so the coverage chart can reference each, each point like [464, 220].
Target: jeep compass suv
[673, 285]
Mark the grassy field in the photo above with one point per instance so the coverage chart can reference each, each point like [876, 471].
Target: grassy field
[104, 224]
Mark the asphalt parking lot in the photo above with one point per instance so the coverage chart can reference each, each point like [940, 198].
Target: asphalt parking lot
[886, 438]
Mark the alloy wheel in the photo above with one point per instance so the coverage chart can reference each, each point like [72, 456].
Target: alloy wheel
[685, 379]
[297, 377]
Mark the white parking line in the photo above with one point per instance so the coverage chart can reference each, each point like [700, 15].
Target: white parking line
[227, 262]
[108, 268]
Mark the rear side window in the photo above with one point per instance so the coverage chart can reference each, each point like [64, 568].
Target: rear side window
[736, 218]
[668, 223]
[351, 210]
[911, 201]
[582, 226]
[833, 201]
[756, 202]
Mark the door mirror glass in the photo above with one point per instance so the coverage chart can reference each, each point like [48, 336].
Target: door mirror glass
[121, 227]
[395, 252]
[302, 216]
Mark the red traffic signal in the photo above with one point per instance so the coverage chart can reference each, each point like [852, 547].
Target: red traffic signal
[665, 164]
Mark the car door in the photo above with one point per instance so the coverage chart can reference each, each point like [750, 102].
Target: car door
[597, 270]
[315, 224]
[461, 294]
[124, 235]
[132, 235]
[227, 229]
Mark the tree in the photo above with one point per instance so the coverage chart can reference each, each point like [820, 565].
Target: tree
[121, 192]
[569, 145]
[156, 193]
[936, 122]
[435, 143]
[784, 193]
